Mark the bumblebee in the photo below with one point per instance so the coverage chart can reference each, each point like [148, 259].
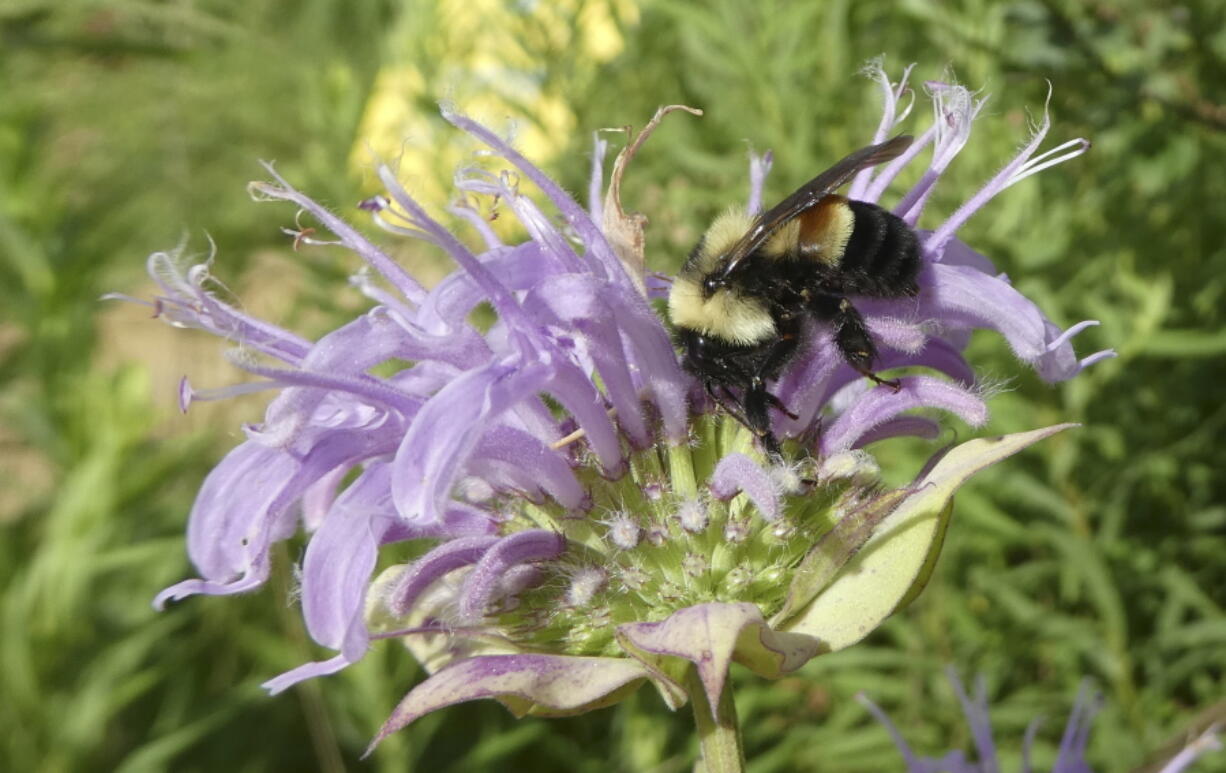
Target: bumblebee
[743, 297]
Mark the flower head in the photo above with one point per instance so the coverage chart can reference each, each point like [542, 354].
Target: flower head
[1070, 757]
[1073, 744]
[596, 522]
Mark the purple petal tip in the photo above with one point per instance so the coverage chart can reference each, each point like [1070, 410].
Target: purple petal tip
[186, 393]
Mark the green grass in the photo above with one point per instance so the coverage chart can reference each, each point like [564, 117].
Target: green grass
[1100, 553]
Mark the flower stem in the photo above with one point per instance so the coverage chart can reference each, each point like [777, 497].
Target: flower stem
[681, 471]
[718, 730]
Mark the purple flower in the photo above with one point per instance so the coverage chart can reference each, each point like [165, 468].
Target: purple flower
[1070, 758]
[596, 523]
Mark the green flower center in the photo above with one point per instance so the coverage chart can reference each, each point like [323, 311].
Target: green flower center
[657, 540]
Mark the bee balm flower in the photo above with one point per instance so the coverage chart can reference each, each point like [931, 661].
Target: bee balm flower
[595, 523]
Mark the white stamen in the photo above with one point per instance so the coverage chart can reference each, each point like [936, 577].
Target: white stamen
[692, 515]
[1041, 162]
[624, 533]
[584, 586]
[1064, 337]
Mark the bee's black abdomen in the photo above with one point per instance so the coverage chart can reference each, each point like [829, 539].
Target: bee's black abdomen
[882, 256]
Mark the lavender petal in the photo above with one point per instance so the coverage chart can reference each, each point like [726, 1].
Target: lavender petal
[483, 583]
[446, 431]
[231, 522]
[575, 216]
[445, 558]
[883, 403]
[738, 473]
[349, 236]
[545, 467]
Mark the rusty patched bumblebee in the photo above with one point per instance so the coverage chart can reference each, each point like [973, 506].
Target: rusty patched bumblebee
[742, 298]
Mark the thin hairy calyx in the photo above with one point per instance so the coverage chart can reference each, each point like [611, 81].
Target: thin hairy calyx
[684, 526]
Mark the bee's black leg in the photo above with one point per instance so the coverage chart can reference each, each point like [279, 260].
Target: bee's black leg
[757, 400]
[778, 405]
[779, 354]
[754, 417]
[728, 402]
[856, 345]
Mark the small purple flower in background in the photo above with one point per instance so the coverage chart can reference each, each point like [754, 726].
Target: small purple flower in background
[1070, 758]
[596, 524]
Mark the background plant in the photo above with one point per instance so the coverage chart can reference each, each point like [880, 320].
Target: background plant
[125, 125]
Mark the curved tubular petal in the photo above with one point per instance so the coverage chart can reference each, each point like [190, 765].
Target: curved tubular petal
[738, 473]
[901, 426]
[937, 354]
[966, 297]
[446, 309]
[187, 304]
[245, 506]
[804, 389]
[423, 572]
[606, 263]
[539, 229]
[231, 522]
[477, 222]
[335, 573]
[349, 236]
[891, 170]
[1059, 362]
[254, 574]
[283, 682]
[1076, 738]
[955, 110]
[935, 244]
[976, 712]
[893, 332]
[446, 430]
[580, 398]
[499, 296]
[320, 496]
[890, 96]
[370, 495]
[545, 467]
[578, 303]
[337, 362]
[483, 582]
[914, 763]
[595, 187]
[655, 362]
[759, 168]
[882, 403]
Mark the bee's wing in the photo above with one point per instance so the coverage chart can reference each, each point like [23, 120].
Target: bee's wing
[809, 194]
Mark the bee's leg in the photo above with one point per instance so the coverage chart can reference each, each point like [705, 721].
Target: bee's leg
[728, 401]
[757, 401]
[856, 345]
[780, 353]
[778, 405]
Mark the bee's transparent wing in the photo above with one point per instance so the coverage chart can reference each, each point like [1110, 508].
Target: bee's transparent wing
[810, 194]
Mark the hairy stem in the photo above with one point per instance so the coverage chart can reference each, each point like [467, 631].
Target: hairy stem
[718, 730]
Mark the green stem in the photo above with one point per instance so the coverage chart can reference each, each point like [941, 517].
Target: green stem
[681, 471]
[718, 731]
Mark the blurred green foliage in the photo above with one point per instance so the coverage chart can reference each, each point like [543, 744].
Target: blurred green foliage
[1100, 554]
